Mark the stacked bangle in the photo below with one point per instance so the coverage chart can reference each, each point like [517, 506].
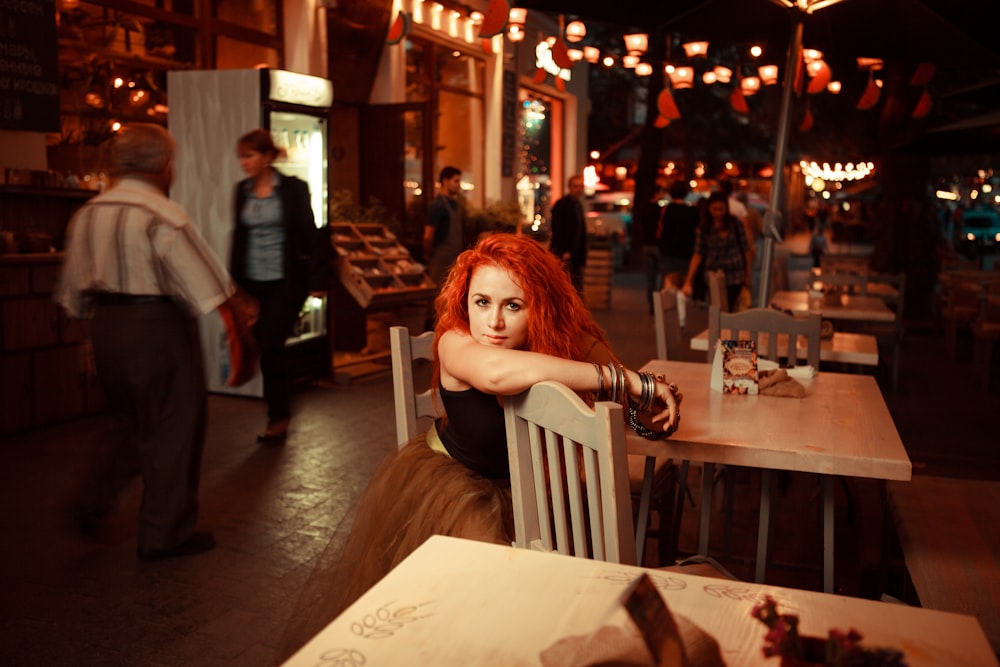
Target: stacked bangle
[600, 381]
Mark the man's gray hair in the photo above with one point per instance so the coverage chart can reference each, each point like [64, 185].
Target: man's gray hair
[141, 148]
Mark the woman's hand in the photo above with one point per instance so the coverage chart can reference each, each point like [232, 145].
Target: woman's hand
[665, 404]
[666, 407]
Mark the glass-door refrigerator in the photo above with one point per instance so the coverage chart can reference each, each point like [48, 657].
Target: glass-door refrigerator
[209, 111]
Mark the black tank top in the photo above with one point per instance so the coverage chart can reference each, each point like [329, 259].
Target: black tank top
[474, 432]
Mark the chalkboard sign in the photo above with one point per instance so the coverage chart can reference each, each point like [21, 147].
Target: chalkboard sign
[29, 66]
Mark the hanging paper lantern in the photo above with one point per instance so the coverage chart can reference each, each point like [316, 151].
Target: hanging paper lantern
[495, 19]
[807, 120]
[922, 75]
[560, 55]
[799, 79]
[487, 45]
[870, 97]
[738, 101]
[924, 105]
[666, 106]
[400, 28]
[661, 121]
[821, 73]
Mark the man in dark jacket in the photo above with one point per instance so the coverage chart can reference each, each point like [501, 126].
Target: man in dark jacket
[569, 231]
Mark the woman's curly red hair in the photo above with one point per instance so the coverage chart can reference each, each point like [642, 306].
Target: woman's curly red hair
[559, 323]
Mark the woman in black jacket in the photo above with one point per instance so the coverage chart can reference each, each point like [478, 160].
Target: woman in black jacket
[272, 237]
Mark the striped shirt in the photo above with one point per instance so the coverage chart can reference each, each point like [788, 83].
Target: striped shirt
[133, 240]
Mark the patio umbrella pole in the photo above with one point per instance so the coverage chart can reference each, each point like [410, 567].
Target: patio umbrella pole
[771, 232]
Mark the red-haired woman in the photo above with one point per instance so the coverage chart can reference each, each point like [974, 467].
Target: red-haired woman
[508, 317]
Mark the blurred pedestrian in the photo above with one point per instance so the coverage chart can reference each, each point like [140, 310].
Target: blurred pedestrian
[274, 236]
[648, 217]
[569, 231]
[443, 233]
[137, 266]
[721, 244]
[677, 231]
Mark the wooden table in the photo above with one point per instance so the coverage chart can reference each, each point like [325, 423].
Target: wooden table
[460, 602]
[948, 531]
[841, 427]
[849, 307]
[843, 347]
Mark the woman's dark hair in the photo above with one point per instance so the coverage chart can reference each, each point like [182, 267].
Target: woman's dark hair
[259, 140]
[706, 215]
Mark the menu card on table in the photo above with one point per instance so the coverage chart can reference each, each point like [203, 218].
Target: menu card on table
[739, 367]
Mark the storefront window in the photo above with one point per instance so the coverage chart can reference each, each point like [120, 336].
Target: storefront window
[452, 83]
[414, 187]
[417, 82]
[460, 142]
[534, 184]
[459, 70]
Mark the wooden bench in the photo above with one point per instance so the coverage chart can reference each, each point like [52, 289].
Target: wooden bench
[949, 531]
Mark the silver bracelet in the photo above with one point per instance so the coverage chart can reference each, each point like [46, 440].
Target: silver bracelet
[600, 381]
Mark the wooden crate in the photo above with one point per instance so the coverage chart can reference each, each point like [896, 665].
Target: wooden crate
[597, 276]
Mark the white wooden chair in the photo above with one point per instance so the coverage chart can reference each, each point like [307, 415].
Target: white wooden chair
[749, 324]
[717, 294]
[669, 340]
[890, 333]
[410, 404]
[559, 506]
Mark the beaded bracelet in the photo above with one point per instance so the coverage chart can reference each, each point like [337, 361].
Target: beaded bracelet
[648, 433]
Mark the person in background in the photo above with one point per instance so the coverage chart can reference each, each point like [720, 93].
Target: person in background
[737, 207]
[818, 245]
[677, 230]
[136, 265]
[648, 217]
[273, 237]
[443, 233]
[508, 317]
[721, 243]
[569, 231]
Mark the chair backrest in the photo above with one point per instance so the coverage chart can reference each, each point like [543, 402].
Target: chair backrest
[749, 324]
[852, 283]
[831, 263]
[896, 281]
[669, 341]
[717, 295]
[557, 505]
[410, 404]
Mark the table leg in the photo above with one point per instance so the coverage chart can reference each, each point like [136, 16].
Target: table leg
[827, 481]
[707, 479]
[678, 516]
[763, 525]
[643, 518]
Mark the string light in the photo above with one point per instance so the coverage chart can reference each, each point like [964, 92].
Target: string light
[838, 171]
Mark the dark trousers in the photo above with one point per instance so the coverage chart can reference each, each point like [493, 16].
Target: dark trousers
[149, 364]
[279, 310]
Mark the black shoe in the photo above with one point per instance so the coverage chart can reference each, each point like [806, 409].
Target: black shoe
[199, 542]
[276, 432]
[85, 523]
